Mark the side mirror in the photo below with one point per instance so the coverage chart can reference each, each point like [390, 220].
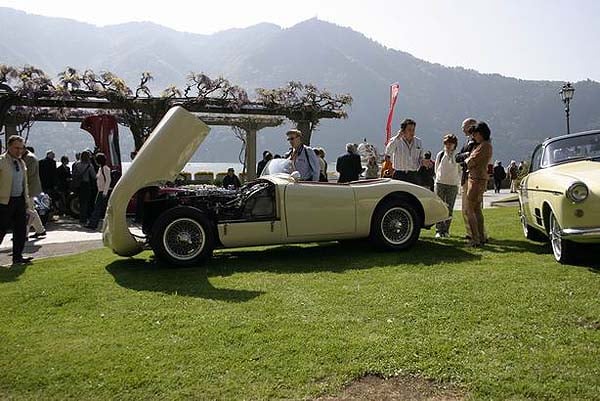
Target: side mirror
[296, 176]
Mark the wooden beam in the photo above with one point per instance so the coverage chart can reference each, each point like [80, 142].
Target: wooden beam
[143, 104]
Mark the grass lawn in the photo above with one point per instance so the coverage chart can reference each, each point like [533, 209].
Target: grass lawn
[295, 322]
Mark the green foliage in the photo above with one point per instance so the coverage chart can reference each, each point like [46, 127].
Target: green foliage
[293, 322]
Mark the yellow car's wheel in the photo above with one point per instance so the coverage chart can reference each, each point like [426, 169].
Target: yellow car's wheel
[563, 250]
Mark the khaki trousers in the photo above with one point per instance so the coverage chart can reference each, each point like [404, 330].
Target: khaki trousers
[475, 191]
[34, 220]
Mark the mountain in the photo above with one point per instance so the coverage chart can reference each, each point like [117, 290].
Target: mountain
[520, 113]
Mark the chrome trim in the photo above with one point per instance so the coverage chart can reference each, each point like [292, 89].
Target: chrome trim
[580, 232]
[548, 191]
[569, 192]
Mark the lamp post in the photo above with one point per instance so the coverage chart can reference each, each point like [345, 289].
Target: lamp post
[566, 94]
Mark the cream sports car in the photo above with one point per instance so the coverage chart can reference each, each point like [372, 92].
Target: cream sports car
[184, 227]
[560, 197]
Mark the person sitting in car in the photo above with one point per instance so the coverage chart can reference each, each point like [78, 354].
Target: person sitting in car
[231, 181]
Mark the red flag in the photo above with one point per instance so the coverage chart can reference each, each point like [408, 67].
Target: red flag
[394, 89]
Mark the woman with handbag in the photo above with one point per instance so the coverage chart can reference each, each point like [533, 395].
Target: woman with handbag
[103, 184]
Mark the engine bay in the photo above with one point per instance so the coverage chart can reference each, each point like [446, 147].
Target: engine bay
[253, 201]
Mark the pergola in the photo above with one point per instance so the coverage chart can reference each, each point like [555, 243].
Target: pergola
[250, 117]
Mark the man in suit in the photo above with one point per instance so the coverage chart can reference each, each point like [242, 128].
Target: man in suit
[349, 165]
[14, 196]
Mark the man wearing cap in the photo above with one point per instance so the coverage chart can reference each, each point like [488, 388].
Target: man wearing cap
[14, 196]
[305, 160]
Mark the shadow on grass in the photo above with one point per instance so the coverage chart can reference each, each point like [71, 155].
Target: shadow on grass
[148, 275]
[515, 246]
[332, 257]
[12, 273]
[587, 256]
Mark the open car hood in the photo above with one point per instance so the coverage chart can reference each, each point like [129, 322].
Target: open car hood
[162, 157]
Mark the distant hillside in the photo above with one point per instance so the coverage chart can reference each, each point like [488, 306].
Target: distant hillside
[520, 112]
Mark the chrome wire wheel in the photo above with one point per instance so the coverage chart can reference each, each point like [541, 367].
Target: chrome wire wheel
[397, 225]
[184, 239]
[556, 238]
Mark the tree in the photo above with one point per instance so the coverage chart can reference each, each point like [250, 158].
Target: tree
[141, 112]
[304, 104]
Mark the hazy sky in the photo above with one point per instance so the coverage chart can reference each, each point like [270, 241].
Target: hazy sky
[530, 39]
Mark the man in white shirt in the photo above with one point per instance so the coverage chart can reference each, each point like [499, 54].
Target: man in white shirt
[406, 151]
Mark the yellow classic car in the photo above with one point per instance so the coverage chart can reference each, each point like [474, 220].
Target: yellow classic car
[560, 197]
[184, 227]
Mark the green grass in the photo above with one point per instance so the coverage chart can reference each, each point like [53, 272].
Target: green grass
[294, 322]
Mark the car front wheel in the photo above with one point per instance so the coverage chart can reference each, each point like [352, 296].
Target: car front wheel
[395, 225]
[183, 236]
[562, 249]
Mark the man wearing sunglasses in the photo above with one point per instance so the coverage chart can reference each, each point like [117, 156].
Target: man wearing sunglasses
[14, 197]
[305, 160]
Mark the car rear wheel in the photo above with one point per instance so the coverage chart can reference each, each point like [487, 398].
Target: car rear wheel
[183, 236]
[395, 225]
[562, 249]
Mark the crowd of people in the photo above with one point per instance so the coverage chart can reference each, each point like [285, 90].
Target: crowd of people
[450, 172]
[24, 178]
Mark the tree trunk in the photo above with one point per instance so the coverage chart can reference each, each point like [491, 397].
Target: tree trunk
[305, 127]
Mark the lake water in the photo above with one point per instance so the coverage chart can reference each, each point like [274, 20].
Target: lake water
[193, 168]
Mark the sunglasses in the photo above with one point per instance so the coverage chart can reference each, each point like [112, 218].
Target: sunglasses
[292, 138]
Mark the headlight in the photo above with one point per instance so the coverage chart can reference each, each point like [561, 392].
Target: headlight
[578, 192]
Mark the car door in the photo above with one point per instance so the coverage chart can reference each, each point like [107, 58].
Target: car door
[316, 210]
[531, 197]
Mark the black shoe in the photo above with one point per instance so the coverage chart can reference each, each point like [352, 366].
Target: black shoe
[36, 235]
[22, 260]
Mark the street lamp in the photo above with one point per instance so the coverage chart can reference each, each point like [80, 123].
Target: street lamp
[566, 94]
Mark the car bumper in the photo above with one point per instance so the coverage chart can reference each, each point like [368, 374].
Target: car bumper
[582, 234]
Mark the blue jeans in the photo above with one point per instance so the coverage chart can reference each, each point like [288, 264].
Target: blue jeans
[448, 194]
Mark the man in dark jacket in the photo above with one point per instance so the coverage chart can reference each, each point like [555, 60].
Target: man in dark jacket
[48, 173]
[499, 176]
[349, 165]
[267, 156]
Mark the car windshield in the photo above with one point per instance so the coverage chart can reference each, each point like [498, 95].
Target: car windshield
[579, 147]
[277, 166]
